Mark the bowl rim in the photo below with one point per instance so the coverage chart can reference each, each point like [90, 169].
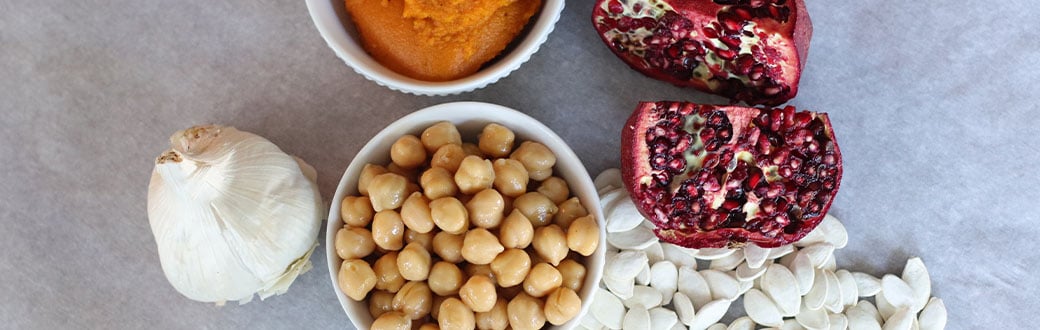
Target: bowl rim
[472, 113]
[350, 52]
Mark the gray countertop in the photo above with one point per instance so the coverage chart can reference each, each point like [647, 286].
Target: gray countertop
[933, 103]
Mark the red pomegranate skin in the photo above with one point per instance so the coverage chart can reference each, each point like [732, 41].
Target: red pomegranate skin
[712, 176]
[747, 50]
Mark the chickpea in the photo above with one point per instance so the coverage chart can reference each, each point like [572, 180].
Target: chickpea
[474, 174]
[414, 299]
[448, 246]
[437, 301]
[380, 302]
[429, 326]
[535, 156]
[354, 243]
[583, 235]
[368, 172]
[480, 246]
[516, 231]
[511, 267]
[542, 280]
[414, 262]
[445, 278]
[356, 278]
[573, 274]
[538, 208]
[568, 211]
[481, 270]
[495, 319]
[392, 321]
[448, 157]
[388, 230]
[496, 140]
[486, 209]
[437, 182]
[415, 213]
[526, 312]
[388, 277]
[551, 243]
[454, 314]
[555, 189]
[449, 215]
[539, 175]
[424, 239]
[356, 211]
[387, 191]
[510, 177]
[408, 152]
[408, 173]
[472, 150]
[440, 134]
[561, 306]
[479, 293]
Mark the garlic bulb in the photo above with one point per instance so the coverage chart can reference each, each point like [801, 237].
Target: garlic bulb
[232, 215]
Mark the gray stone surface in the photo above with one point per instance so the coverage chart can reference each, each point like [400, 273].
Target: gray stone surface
[933, 103]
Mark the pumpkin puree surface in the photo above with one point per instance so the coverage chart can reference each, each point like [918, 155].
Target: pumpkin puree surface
[438, 40]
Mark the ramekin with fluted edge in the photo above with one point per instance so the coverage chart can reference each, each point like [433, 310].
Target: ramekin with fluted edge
[335, 26]
[470, 118]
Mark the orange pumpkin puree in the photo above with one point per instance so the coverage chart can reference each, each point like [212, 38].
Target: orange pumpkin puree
[438, 40]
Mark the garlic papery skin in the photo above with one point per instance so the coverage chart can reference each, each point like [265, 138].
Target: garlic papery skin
[232, 215]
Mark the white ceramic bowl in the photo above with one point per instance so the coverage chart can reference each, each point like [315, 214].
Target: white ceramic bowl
[338, 30]
[470, 118]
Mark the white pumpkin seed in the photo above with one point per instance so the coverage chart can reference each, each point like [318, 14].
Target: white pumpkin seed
[683, 308]
[711, 313]
[838, 321]
[643, 278]
[833, 303]
[903, 319]
[729, 262]
[862, 318]
[662, 318]
[716, 326]
[723, 286]
[608, 198]
[636, 318]
[916, 276]
[679, 326]
[712, 254]
[625, 265]
[776, 283]
[813, 319]
[756, 255]
[746, 273]
[654, 253]
[818, 253]
[834, 232]
[871, 310]
[867, 285]
[817, 295]
[644, 296]
[623, 216]
[680, 255]
[742, 323]
[885, 308]
[664, 277]
[609, 177]
[607, 309]
[847, 284]
[897, 292]
[620, 287]
[589, 321]
[803, 272]
[693, 285]
[830, 264]
[761, 309]
[788, 259]
[933, 316]
[791, 324]
[638, 238]
[778, 252]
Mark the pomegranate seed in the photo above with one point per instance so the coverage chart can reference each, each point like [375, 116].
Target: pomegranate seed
[615, 7]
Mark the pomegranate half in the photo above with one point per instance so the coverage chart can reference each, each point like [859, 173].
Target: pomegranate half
[747, 50]
[724, 176]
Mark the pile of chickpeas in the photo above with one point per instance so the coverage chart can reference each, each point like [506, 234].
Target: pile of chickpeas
[453, 235]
